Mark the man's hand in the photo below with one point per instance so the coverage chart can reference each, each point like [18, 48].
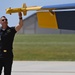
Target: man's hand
[20, 15]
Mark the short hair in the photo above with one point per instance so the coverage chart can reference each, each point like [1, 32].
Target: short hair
[4, 17]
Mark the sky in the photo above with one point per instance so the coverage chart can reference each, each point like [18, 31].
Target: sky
[13, 19]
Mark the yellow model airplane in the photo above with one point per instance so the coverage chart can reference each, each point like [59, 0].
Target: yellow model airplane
[61, 16]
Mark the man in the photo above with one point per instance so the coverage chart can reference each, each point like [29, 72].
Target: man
[6, 41]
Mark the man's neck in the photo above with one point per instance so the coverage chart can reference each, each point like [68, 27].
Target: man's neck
[4, 27]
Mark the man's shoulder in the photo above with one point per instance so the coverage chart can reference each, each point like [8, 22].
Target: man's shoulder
[12, 28]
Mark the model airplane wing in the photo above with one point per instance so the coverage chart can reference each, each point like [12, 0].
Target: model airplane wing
[59, 16]
[24, 8]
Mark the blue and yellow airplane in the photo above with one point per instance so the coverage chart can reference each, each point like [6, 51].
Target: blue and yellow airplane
[61, 16]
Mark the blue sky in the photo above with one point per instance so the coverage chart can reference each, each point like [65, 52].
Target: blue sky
[13, 19]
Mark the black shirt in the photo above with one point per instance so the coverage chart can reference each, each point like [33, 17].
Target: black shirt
[6, 42]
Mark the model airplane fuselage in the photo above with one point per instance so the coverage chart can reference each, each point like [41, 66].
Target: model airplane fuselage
[48, 7]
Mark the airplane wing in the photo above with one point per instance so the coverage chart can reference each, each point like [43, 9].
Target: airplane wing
[58, 20]
[60, 6]
[63, 17]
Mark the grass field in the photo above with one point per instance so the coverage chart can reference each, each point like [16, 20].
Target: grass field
[44, 47]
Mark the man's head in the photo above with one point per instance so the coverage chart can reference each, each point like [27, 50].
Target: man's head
[3, 21]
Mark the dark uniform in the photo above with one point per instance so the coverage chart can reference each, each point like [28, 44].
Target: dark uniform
[6, 53]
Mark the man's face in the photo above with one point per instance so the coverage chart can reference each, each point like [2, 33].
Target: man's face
[3, 21]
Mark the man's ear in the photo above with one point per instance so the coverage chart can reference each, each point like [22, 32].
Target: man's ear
[0, 20]
[7, 20]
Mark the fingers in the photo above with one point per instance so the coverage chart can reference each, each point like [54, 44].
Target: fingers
[20, 14]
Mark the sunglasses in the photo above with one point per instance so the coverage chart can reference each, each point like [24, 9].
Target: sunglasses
[4, 19]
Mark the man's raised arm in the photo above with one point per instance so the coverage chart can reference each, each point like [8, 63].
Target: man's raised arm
[18, 27]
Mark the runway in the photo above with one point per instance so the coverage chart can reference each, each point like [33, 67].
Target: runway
[43, 68]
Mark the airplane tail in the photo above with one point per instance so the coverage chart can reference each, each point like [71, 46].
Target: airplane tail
[58, 20]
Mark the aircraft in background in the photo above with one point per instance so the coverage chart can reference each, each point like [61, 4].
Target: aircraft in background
[61, 16]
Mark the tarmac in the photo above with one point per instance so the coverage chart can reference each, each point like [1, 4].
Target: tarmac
[43, 68]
